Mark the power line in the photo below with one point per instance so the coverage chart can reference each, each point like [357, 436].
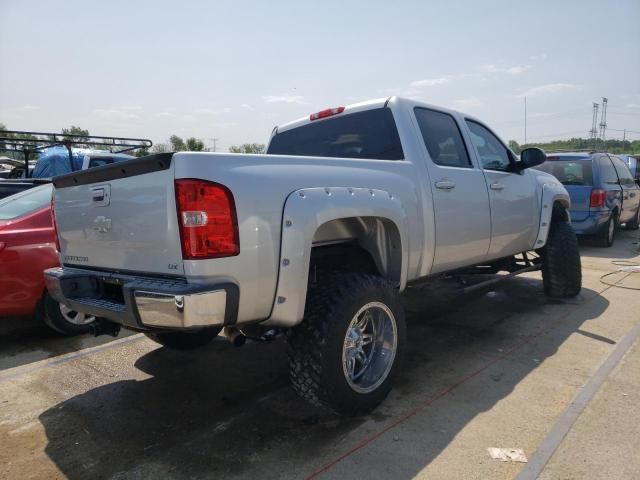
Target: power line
[624, 130]
[618, 112]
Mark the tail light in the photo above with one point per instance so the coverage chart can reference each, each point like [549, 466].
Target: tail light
[207, 219]
[598, 197]
[329, 112]
[55, 227]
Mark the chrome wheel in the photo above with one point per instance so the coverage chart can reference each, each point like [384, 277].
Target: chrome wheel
[369, 347]
[74, 317]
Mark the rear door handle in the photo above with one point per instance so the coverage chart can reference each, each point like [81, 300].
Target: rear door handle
[445, 185]
[496, 186]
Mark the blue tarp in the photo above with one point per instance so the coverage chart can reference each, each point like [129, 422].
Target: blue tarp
[54, 161]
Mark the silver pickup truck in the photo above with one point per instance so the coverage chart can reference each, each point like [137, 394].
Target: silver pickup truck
[318, 238]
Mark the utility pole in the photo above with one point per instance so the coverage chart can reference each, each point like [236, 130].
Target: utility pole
[594, 125]
[525, 120]
[603, 120]
[215, 142]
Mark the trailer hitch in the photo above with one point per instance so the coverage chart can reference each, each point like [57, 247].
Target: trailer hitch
[104, 327]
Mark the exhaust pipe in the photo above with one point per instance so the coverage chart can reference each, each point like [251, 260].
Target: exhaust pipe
[235, 336]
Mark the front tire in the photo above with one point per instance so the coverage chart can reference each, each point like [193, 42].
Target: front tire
[346, 352]
[63, 319]
[561, 268]
[184, 340]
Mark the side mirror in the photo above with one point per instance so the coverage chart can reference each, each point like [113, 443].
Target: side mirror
[530, 157]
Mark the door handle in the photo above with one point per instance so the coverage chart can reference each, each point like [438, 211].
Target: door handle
[496, 186]
[445, 185]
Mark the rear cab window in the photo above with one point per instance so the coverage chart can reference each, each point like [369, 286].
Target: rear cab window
[25, 202]
[569, 170]
[442, 138]
[370, 134]
[100, 161]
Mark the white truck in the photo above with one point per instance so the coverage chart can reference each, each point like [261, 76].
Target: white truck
[318, 238]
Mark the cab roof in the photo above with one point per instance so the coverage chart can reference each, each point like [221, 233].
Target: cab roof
[362, 106]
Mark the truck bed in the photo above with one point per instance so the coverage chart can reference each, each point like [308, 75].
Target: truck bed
[10, 187]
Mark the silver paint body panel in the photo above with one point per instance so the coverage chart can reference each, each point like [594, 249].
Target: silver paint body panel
[435, 230]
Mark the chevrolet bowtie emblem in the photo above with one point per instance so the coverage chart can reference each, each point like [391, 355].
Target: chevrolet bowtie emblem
[102, 224]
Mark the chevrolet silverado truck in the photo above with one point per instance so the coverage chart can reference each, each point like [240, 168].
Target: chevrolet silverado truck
[319, 238]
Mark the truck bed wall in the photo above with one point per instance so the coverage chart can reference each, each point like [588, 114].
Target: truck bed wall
[261, 184]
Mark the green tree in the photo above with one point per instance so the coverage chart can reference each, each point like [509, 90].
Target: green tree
[141, 152]
[194, 144]
[587, 144]
[160, 148]
[77, 134]
[3, 128]
[248, 148]
[17, 141]
[513, 145]
[176, 143]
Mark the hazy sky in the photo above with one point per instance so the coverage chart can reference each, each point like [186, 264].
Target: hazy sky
[234, 70]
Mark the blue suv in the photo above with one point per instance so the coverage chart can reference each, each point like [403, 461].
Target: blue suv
[603, 192]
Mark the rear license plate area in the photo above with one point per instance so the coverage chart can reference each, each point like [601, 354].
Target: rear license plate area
[110, 290]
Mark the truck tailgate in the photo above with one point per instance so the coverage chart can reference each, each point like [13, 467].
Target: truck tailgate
[580, 200]
[120, 217]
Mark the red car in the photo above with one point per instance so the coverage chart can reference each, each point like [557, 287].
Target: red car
[27, 247]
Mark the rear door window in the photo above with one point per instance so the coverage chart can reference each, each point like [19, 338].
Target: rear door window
[442, 137]
[608, 175]
[369, 134]
[623, 172]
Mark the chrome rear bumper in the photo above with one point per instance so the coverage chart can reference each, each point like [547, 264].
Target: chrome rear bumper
[143, 302]
[181, 311]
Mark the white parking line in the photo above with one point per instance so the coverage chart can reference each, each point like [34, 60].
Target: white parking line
[552, 441]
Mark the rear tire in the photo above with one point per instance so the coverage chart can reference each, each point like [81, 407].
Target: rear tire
[634, 224]
[607, 235]
[347, 350]
[62, 319]
[561, 268]
[184, 340]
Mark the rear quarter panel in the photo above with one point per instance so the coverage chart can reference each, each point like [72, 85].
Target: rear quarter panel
[613, 199]
[260, 185]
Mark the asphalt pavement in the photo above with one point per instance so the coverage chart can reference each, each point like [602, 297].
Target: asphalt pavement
[505, 368]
